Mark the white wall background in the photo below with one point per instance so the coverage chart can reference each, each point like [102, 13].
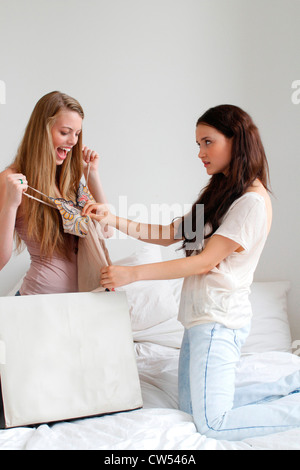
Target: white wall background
[144, 71]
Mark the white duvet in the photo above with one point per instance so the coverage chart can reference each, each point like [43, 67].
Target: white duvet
[159, 425]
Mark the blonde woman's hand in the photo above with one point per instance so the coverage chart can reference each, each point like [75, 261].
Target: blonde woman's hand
[90, 156]
[16, 185]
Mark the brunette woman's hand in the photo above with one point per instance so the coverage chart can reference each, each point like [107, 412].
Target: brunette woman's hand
[99, 212]
[117, 276]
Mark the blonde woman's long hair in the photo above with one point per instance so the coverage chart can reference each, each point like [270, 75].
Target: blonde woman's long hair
[36, 159]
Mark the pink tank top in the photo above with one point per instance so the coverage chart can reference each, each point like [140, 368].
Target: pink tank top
[47, 276]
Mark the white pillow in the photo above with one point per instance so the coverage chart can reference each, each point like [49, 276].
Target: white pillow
[150, 302]
[147, 254]
[270, 329]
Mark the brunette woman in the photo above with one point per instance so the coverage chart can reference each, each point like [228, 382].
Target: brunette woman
[218, 270]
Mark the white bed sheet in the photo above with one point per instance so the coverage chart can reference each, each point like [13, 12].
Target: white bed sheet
[159, 425]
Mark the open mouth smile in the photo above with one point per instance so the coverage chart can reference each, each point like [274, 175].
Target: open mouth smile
[62, 152]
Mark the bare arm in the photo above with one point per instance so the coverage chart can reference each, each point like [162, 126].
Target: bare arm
[217, 249]
[91, 162]
[164, 235]
[11, 191]
[96, 188]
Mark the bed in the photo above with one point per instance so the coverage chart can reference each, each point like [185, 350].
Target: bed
[159, 425]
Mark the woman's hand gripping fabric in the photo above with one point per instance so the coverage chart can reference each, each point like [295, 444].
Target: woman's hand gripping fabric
[99, 212]
[117, 276]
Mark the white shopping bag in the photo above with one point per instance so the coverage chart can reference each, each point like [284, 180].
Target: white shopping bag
[66, 356]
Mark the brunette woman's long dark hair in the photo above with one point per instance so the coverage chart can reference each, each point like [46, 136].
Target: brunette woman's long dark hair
[248, 163]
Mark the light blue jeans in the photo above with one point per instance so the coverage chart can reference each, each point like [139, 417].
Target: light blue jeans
[208, 359]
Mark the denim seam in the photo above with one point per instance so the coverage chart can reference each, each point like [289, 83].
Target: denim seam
[189, 374]
[205, 378]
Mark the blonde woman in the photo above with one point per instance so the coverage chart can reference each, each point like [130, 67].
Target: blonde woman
[50, 160]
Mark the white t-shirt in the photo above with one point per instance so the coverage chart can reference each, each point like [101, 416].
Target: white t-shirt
[222, 295]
